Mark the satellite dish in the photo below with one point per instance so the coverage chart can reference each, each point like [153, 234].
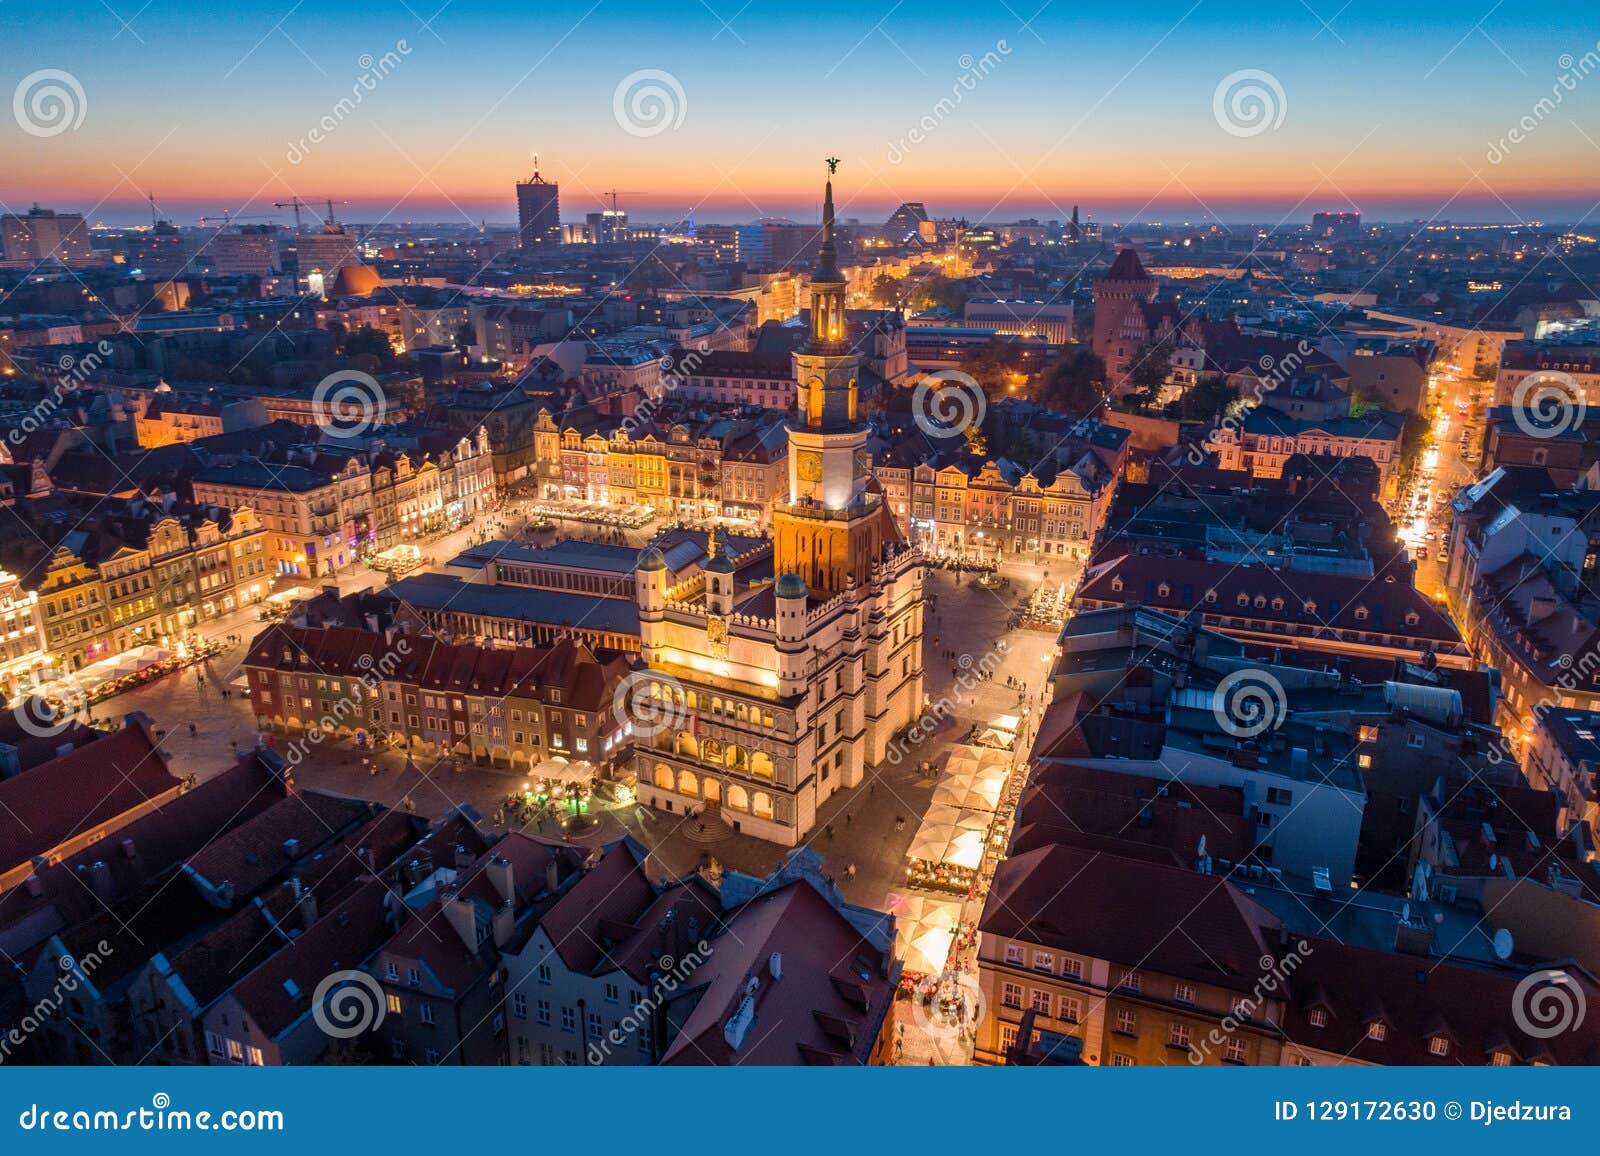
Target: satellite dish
[1502, 944]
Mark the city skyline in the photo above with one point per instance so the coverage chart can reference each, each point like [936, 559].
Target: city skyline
[990, 116]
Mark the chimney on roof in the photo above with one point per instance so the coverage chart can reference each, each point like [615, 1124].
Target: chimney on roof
[1413, 936]
[503, 877]
[100, 878]
[460, 915]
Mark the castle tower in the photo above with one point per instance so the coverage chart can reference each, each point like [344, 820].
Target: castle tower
[830, 531]
[1120, 293]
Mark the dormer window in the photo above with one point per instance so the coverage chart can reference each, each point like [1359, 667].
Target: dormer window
[1244, 599]
[1413, 618]
[1361, 614]
[1116, 584]
[1438, 1046]
[1317, 1017]
[1310, 607]
[1277, 604]
[1211, 595]
[1261, 601]
[1164, 590]
[1377, 1030]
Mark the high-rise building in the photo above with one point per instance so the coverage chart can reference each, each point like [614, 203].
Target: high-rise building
[244, 250]
[538, 212]
[322, 254]
[45, 235]
[608, 227]
[906, 222]
[1340, 226]
[776, 694]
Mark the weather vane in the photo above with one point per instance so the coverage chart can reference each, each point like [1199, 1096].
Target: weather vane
[833, 165]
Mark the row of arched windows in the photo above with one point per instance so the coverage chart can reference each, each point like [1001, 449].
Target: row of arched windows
[690, 785]
[733, 756]
[712, 704]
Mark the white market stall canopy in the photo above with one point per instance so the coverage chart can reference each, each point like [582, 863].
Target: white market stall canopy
[951, 836]
[561, 771]
[975, 789]
[924, 928]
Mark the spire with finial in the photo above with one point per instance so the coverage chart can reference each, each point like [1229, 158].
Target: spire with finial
[711, 543]
[828, 256]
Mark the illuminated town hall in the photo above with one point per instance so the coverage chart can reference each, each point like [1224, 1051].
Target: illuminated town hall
[797, 660]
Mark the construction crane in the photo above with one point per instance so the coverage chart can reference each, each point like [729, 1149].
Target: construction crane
[229, 216]
[297, 204]
[614, 194]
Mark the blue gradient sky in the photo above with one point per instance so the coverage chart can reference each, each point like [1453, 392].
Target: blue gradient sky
[1390, 109]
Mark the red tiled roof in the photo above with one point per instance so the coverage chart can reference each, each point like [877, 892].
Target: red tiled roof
[1135, 913]
[139, 858]
[1337, 597]
[82, 790]
[257, 851]
[1418, 998]
[1127, 267]
[828, 1006]
[1139, 809]
[345, 652]
[341, 940]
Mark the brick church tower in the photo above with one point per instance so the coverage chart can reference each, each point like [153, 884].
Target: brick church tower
[1118, 297]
